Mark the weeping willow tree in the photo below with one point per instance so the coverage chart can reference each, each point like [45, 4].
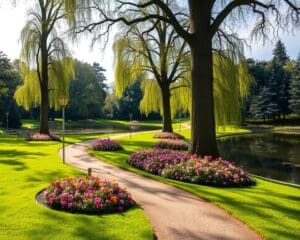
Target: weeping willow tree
[231, 87]
[46, 67]
[157, 56]
[138, 56]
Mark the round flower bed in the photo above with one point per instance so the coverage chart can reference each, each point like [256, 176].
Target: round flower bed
[172, 144]
[106, 144]
[184, 167]
[43, 137]
[168, 135]
[89, 195]
[155, 160]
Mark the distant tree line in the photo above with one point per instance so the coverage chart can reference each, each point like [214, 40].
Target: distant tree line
[9, 80]
[275, 91]
[89, 96]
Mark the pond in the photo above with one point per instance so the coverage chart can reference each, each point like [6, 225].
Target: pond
[270, 155]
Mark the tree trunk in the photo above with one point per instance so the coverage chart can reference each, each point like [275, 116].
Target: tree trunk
[44, 125]
[167, 120]
[203, 132]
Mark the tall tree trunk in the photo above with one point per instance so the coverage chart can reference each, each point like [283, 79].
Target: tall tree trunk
[44, 125]
[203, 132]
[167, 120]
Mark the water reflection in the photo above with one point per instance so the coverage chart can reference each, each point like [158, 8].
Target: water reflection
[269, 155]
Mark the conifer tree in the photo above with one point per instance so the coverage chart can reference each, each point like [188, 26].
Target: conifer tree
[295, 87]
[279, 82]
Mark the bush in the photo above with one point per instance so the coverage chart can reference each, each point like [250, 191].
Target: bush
[86, 195]
[43, 137]
[172, 144]
[184, 167]
[155, 160]
[106, 145]
[168, 135]
[206, 171]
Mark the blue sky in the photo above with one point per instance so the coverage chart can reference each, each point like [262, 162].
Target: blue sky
[13, 19]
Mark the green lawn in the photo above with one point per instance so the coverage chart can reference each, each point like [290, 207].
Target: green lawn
[98, 124]
[28, 167]
[271, 209]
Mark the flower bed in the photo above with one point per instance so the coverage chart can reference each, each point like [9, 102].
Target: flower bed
[184, 167]
[106, 145]
[207, 171]
[43, 137]
[172, 144]
[86, 195]
[155, 160]
[168, 135]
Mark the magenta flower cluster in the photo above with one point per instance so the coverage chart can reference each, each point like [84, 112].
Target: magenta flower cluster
[168, 135]
[172, 144]
[155, 160]
[208, 171]
[86, 195]
[187, 168]
[106, 144]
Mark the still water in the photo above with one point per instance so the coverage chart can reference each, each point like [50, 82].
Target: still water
[270, 155]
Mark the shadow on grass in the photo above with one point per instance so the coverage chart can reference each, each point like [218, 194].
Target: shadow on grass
[80, 226]
[51, 175]
[17, 153]
[18, 166]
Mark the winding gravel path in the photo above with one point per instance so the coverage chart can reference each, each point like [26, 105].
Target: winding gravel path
[174, 213]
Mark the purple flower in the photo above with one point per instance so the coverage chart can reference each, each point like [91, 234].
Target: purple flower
[106, 145]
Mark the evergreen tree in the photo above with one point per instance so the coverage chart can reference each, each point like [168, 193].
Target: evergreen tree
[295, 87]
[87, 93]
[128, 105]
[260, 71]
[9, 80]
[279, 83]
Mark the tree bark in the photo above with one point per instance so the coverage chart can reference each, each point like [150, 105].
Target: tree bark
[203, 133]
[44, 125]
[167, 120]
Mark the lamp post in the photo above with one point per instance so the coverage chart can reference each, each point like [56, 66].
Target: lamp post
[130, 123]
[7, 114]
[179, 122]
[63, 101]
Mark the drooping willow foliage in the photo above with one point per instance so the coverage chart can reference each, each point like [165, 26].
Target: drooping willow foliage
[128, 64]
[231, 83]
[231, 87]
[60, 74]
[59, 64]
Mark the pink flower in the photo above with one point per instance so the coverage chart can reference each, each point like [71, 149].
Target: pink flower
[236, 176]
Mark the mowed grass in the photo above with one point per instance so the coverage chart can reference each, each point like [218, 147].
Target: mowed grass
[271, 209]
[28, 167]
[98, 124]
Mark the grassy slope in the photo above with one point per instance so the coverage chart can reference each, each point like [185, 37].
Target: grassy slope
[271, 209]
[26, 168]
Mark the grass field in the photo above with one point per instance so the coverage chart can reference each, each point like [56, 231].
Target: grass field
[272, 209]
[95, 124]
[28, 167]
